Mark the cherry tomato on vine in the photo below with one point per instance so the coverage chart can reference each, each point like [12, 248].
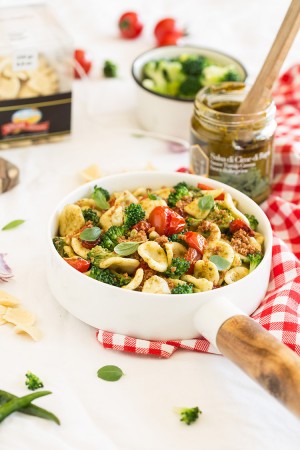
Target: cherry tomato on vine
[79, 264]
[166, 32]
[130, 25]
[166, 221]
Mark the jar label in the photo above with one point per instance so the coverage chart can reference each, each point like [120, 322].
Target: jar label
[236, 164]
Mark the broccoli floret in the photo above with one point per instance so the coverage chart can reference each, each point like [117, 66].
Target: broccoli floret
[98, 254]
[109, 277]
[179, 266]
[59, 243]
[189, 415]
[252, 221]
[102, 190]
[33, 382]
[254, 259]
[133, 214]
[159, 82]
[180, 190]
[218, 74]
[190, 87]
[91, 215]
[110, 239]
[194, 65]
[110, 69]
[183, 289]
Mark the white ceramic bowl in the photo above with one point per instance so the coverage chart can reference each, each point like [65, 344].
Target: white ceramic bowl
[145, 315]
[165, 114]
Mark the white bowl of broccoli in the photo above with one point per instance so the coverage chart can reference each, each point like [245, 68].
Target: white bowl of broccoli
[168, 79]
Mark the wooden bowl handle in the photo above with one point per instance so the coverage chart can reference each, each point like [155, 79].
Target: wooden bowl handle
[269, 362]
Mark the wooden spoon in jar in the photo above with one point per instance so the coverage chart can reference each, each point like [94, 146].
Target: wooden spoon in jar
[260, 92]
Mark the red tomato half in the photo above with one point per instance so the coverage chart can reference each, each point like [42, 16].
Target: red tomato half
[79, 264]
[85, 64]
[204, 187]
[166, 221]
[195, 240]
[129, 25]
[192, 256]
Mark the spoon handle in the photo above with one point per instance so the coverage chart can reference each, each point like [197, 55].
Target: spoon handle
[261, 89]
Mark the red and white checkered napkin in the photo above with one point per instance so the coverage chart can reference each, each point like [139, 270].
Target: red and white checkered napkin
[280, 310]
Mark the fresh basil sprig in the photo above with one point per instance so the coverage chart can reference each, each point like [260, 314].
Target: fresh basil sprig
[100, 199]
[126, 248]
[13, 224]
[110, 373]
[90, 234]
[221, 263]
[206, 202]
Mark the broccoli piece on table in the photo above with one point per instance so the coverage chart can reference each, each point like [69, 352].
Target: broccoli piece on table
[133, 214]
[33, 382]
[180, 190]
[183, 289]
[190, 87]
[254, 259]
[219, 74]
[194, 66]
[189, 415]
[252, 221]
[110, 239]
[59, 243]
[179, 266]
[91, 215]
[109, 277]
[110, 69]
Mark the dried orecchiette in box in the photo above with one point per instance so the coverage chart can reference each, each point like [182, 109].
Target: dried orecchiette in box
[35, 77]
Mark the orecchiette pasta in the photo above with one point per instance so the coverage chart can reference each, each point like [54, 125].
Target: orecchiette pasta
[173, 240]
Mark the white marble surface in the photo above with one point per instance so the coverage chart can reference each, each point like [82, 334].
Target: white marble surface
[135, 413]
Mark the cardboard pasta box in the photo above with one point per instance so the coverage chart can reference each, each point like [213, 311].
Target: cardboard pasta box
[35, 76]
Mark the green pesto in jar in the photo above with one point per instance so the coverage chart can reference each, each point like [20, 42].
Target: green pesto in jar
[239, 146]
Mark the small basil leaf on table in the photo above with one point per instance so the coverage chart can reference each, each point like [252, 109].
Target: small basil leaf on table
[206, 202]
[221, 263]
[90, 234]
[110, 373]
[13, 224]
[126, 248]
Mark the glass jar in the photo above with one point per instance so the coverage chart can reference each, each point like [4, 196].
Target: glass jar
[239, 147]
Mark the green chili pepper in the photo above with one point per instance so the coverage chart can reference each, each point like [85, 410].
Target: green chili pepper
[31, 410]
[16, 404]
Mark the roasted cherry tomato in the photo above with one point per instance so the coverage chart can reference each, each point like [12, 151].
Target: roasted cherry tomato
[195, 240]
[239, 224]
[166, 221]
[129, 25]
[166, 32]
[204, 187]
[79, 264]
[192, 255]
[85, 64]
[90, 244]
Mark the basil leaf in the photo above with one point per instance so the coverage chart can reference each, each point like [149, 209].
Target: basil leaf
[221, 263]
[126, 248]
[90, 234]
[13, 224]
[206, 202]
[100, 199]
[110, 373]
[153, 196]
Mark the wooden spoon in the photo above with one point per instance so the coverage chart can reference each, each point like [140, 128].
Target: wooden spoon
[260, 92]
